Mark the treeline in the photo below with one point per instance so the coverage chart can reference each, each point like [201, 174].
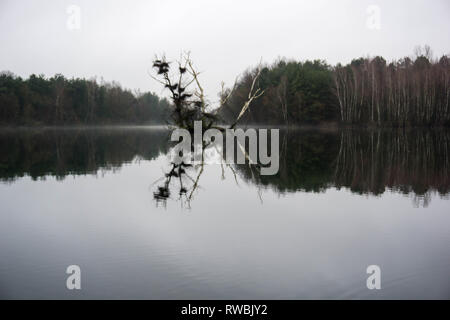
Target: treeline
[400, 93]
[59, 101]
[294, 92]
[367, 91]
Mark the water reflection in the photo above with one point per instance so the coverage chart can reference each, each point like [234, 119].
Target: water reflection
[366, 162]
[60, 152]
[305, 240]
[178, 172]
[183, 179]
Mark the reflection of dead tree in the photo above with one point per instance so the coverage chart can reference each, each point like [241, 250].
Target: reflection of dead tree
[228, 166]
[178, 171]
[195, 186]
[187, 185]
[190, 105]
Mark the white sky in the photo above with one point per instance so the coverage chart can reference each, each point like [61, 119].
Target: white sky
[118, 39]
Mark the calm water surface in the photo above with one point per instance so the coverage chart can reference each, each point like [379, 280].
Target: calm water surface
[343, 200]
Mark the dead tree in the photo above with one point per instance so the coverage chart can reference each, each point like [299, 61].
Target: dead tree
[188, 97]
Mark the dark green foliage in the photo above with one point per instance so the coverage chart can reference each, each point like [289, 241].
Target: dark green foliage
[295, 92]
[58, 101]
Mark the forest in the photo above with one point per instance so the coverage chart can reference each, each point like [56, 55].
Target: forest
[61, 101]
[401, 93]
[368, 91]
[294, 93]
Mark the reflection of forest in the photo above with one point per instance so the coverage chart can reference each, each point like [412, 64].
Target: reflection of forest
[365, 161]
[416, 161]
[54, 152]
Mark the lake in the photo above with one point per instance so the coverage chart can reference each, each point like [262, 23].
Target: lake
[343, 200]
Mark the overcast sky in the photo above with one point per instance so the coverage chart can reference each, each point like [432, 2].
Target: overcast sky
[117, 40]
